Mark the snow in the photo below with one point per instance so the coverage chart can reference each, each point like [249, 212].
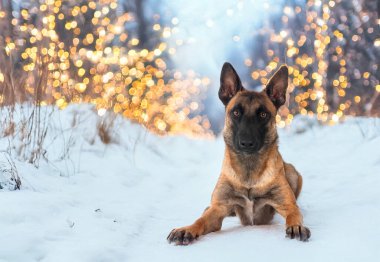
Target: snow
[118, 202]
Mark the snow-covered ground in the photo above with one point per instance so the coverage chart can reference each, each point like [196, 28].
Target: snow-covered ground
[118, 202]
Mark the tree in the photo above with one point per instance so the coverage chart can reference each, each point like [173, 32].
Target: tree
[95, 52]
[332, 52]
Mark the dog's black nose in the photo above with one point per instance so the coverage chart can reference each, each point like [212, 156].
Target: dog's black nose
[247, 143]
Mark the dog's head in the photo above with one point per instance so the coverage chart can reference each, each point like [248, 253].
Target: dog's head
[250, 122]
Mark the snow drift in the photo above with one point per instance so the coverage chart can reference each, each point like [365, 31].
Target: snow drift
[118, 201]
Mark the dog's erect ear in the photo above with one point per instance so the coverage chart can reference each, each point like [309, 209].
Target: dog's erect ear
[276, 88]
[230, 83]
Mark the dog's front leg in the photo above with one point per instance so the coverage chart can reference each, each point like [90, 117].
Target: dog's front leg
[210, 221]
[294, 225]
[285, 204]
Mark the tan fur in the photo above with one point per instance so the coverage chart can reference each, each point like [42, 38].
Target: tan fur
[251, 187]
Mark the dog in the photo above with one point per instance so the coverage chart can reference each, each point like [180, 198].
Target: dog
[255, 182]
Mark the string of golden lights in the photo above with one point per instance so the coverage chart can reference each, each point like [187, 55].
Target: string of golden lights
[94, 68]
[92, 58]
[308, 72]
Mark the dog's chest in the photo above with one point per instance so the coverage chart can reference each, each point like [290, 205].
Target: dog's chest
[253, 196]
[246, 194]
[247, 205]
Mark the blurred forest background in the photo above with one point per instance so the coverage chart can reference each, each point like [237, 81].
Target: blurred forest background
[157, 62]
[110, 123]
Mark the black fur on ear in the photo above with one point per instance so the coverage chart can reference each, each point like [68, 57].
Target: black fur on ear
[230, 83]
[276, 88]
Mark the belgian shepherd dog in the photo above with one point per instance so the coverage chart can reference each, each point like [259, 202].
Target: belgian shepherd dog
[255, 182]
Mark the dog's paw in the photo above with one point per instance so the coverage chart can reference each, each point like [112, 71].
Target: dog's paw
[181, 236]
[298, 232]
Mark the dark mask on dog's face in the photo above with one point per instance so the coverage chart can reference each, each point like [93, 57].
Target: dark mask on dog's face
[250, 122]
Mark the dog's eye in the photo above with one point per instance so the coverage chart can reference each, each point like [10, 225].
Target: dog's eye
[236, 113]
[263, 115]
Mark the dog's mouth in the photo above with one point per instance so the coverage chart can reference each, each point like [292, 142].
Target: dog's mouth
[248, 151]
